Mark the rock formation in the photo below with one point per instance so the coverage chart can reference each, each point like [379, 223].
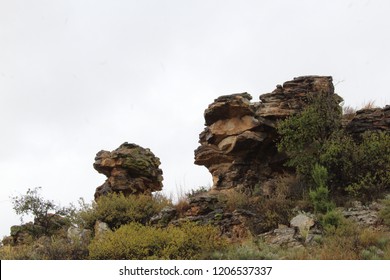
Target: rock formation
[375, 119]
[238, 145]
[130, 169]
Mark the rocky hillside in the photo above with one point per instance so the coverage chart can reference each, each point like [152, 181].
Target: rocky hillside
[288, 169]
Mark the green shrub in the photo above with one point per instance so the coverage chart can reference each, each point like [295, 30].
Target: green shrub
[48, 216]
[138, 242]
[320, 196]
[332, 219]
[117, 209]
[46, 248]
[303, 135]
[358, 168]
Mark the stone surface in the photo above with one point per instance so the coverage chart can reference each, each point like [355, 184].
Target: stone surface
[77, 235]
[364, 215]
[166, 215]
[130, 169]
[238, 145]
[375, 119]
[303, 223]
[282, 236]
[101, 228]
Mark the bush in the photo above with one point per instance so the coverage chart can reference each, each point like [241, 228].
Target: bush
[303, 135]
[320, 196]
[285, 195]
[117, 209]
[358, 168]
[55, 247]
[138, 242]
[47, 216]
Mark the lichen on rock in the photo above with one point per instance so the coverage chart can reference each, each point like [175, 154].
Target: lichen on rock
[130, 169]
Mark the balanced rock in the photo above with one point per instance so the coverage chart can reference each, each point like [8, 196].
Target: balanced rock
[130, 169]
[238, 145]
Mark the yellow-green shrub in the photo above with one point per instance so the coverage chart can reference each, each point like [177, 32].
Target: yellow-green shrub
[117, 209]
[137, 242]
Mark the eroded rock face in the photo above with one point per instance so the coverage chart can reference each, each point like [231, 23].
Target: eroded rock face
[130, 169]
[375, 119]
[238, 145]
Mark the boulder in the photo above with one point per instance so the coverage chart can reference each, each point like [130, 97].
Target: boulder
[101, 228]
[303, 223]
[78, 235]
[130, 169]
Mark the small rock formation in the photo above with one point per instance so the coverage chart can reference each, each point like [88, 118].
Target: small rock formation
[130, 169]
[364, 215]
[78, 235]
[162, 219]
[302, 231]
[303, 223]
[238, 145]
[375, 119]
[101, 228]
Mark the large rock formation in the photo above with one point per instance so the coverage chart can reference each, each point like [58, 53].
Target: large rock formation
[130, 169]
[238, 144]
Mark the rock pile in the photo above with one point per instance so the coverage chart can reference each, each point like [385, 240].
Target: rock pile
[130, 169]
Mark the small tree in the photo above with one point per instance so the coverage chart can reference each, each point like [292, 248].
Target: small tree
[45, 212]
[320, 196]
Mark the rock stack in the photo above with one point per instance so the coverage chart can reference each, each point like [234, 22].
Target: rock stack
[238, 145]
[130, 169]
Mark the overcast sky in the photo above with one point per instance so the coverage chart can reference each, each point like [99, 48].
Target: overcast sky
[80, 76]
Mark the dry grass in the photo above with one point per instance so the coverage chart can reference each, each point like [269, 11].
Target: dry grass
[369, 105]
[182, 206]
[349, 112]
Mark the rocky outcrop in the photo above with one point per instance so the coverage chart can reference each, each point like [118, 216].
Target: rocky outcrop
[364, 215]
[303, 230]
[238, 145]
[375, 119]
[130, 169]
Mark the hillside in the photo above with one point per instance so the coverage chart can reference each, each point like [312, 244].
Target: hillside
[295, 176]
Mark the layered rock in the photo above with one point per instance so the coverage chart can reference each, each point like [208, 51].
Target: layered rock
[374, 119]
[130, 169]
[238, 145]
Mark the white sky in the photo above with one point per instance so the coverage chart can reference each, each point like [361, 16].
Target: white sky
[80, 76]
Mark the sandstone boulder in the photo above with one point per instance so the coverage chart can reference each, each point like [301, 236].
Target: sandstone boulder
[130, 169]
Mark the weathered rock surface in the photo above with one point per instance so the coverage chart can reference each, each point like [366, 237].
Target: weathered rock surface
[166, 215]
[78, 235]
[302, 231]
[364, 215]
[303, 223]
[101, 228]
[130, 169]
[375, 119]
[238, 145]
